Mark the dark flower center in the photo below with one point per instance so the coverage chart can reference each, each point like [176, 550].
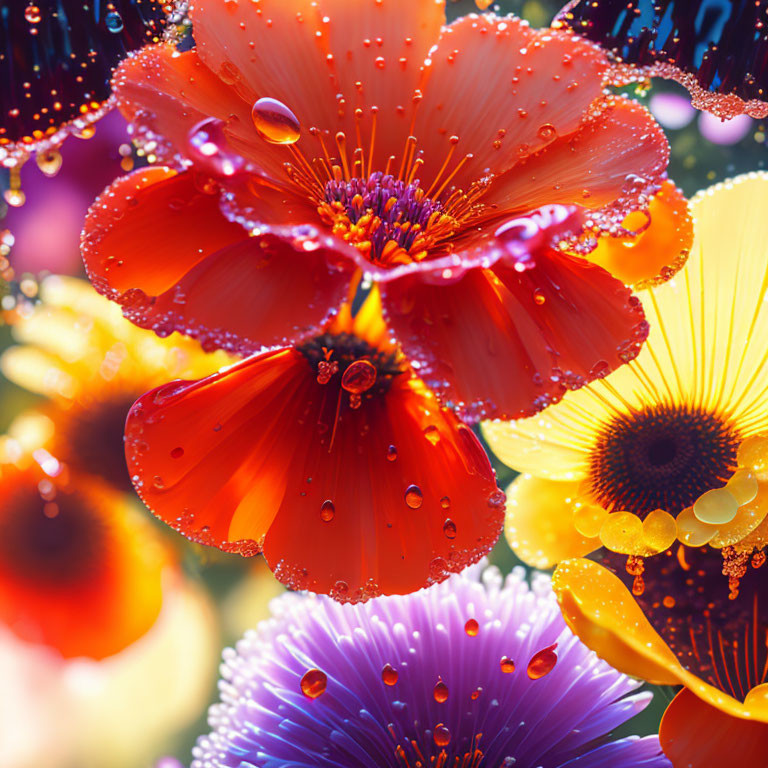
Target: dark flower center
[389, 219]
[662, 457]
[95, 440]
[50, 537]
[351, 364]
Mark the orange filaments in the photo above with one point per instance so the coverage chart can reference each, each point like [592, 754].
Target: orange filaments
[385, 214]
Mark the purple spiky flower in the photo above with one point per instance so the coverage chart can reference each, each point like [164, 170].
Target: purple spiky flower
[471, 673]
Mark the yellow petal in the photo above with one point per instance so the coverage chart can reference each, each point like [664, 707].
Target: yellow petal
[602, 612]
[539, 524]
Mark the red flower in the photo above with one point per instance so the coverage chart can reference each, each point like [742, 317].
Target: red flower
[331, 457]
[321, 139]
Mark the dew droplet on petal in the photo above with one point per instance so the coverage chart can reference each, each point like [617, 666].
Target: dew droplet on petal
[207, 146]
[442, 736]
[32, 14]
[327, 511]
[389, 674]
[432, 433]
[177, 452]
[391, 453]
[472, 627]
[414, 498]
[440, 692]
[542, 662]
[359, 377]
[313, 683]
[445, 502]
[507, 665]
[274, 122]
[449, 528]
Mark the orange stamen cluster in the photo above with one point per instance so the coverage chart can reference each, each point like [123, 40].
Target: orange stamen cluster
[385, 213]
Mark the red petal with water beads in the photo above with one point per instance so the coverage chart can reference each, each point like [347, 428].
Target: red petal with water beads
[161, 248]
[507, 340]
[384, 496]
[695, 734]
[525, 88]
[77, 572]
[165, 94]
[719, 53]
[613, 164]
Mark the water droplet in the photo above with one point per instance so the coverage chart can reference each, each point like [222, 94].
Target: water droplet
[445, 502]
[476, 694]
[539, 297]
[327, 511]
[359, 377]
[49, 162]
[472, 627]
[442, 736]
[391, 453]
[207, 146]
[313, 683]
[432, 433]
[669, 601]
[389, 674]
[547, 132]
[275, 122]
[177, 452]
[449, 528]
[542, 662]
[414, 498]
[114, 21]
[157, 482]
[440, 692]
[507, 665]
[380, 62]
[32, 14]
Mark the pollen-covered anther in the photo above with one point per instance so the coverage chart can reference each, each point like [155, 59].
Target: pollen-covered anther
[389, 219]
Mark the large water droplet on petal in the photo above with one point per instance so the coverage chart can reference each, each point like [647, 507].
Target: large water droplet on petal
[207, 146]
[359, 377]
[275, 122]
[440, 692]
[389, 674]
[414, 498]
[542, 662]
[313, 683]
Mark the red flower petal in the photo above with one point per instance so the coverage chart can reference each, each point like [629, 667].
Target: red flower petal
[694, 734]
[368, 52]
[506, 341]
[609, 163]
[162, 249]
[76, 571]
[256, 456]
[505, 90]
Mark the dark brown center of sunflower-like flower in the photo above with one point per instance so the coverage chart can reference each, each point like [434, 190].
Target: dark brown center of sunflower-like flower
[385, 216]
[95, 440]
[49, 537]
[355, 366]
[663, 457]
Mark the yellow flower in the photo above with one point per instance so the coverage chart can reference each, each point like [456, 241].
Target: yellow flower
[671, 444]
[78, 350]
[667, 460]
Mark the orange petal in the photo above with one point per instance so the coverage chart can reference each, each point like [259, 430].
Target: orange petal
[605, 616]
[610, 163]
[694, 734]
[383, 498]
[78, 572]
[525, 88]
[540, 522]
[162, 249]
[602, 611]
[659, 251]
[505, 343]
